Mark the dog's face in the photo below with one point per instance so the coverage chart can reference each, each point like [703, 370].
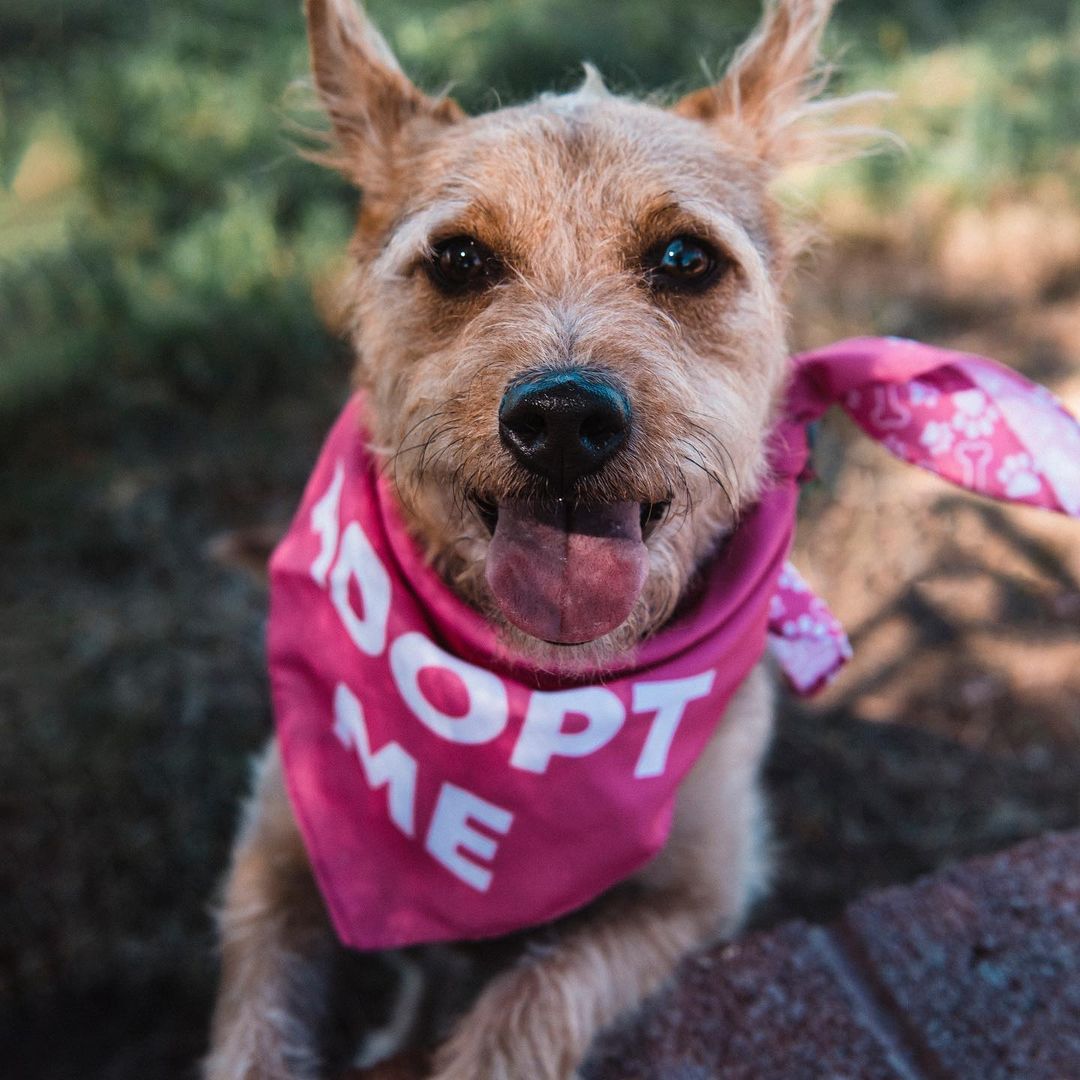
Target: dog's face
[569, 324]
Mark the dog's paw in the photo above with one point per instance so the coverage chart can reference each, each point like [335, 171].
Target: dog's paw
[519, 1029]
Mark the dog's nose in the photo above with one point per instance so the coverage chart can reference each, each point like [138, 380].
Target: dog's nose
[564, 425]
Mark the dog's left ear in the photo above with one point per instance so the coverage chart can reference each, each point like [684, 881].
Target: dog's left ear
[770, 85]
[370, 101]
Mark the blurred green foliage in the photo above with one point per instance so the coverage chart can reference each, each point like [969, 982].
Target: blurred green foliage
[155, 220]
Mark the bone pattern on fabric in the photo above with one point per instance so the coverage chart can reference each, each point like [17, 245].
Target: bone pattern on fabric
[965, 418]
[431, 771]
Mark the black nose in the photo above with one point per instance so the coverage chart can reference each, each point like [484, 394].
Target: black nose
[564, 425]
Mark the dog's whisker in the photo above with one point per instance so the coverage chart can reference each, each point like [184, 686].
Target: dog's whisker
[728, 464]
[712, 475]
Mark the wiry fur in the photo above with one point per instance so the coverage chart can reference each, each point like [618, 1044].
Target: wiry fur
[435, 370]
[570, 191]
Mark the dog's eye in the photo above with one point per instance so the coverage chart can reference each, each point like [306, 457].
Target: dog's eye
[683, 264]
[462, 264]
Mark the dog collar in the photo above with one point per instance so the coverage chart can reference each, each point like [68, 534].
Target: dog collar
[448, 789]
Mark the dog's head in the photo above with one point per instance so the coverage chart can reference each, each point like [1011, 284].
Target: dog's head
[569, 322]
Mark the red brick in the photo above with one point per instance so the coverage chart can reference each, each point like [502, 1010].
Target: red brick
[982, 963]
[767, 1007]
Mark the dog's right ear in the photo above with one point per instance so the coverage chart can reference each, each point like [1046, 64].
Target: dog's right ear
[368, 98]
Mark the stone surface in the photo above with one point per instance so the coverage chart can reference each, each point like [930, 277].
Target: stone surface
[982, 962]
[768, 1007]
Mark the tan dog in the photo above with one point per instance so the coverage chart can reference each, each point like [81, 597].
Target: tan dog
[589, 290]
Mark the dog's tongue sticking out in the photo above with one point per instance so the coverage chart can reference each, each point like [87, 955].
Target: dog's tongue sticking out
[567, 574]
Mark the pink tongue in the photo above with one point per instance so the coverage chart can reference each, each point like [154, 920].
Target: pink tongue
[567, 575]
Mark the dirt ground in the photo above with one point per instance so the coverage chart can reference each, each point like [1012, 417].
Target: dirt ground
[132, 691]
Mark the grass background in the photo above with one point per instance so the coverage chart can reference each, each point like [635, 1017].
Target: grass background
[166, 375]
[154, 217]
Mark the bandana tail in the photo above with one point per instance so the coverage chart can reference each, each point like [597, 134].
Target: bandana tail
[979, 425]
[804, 637]
[970, 420]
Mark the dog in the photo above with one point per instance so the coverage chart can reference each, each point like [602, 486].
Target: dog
[576, 301]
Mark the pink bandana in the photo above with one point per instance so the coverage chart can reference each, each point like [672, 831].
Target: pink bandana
[447, 790]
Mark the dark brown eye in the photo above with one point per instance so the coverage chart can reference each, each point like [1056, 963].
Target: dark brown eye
[683, 264]
[462, 264]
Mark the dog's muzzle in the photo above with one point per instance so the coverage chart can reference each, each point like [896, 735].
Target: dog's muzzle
[559, 570]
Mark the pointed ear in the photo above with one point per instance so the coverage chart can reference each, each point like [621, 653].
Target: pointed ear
[770, 84]
[368, 98]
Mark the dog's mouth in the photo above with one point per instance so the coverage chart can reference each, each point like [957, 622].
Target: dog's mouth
[563, 572]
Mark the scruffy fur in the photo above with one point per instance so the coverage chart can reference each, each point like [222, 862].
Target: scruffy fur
[570, 191]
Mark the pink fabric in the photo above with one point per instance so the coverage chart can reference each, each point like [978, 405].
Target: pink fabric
[447, 789]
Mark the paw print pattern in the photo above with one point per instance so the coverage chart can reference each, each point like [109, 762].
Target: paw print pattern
[1018, 476]
[975, 417]
[937, 437]
[805, 637]
[791, 582]
[973, 422]
[922, 393]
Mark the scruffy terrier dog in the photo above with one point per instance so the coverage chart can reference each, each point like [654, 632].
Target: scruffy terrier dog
[591, 289]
